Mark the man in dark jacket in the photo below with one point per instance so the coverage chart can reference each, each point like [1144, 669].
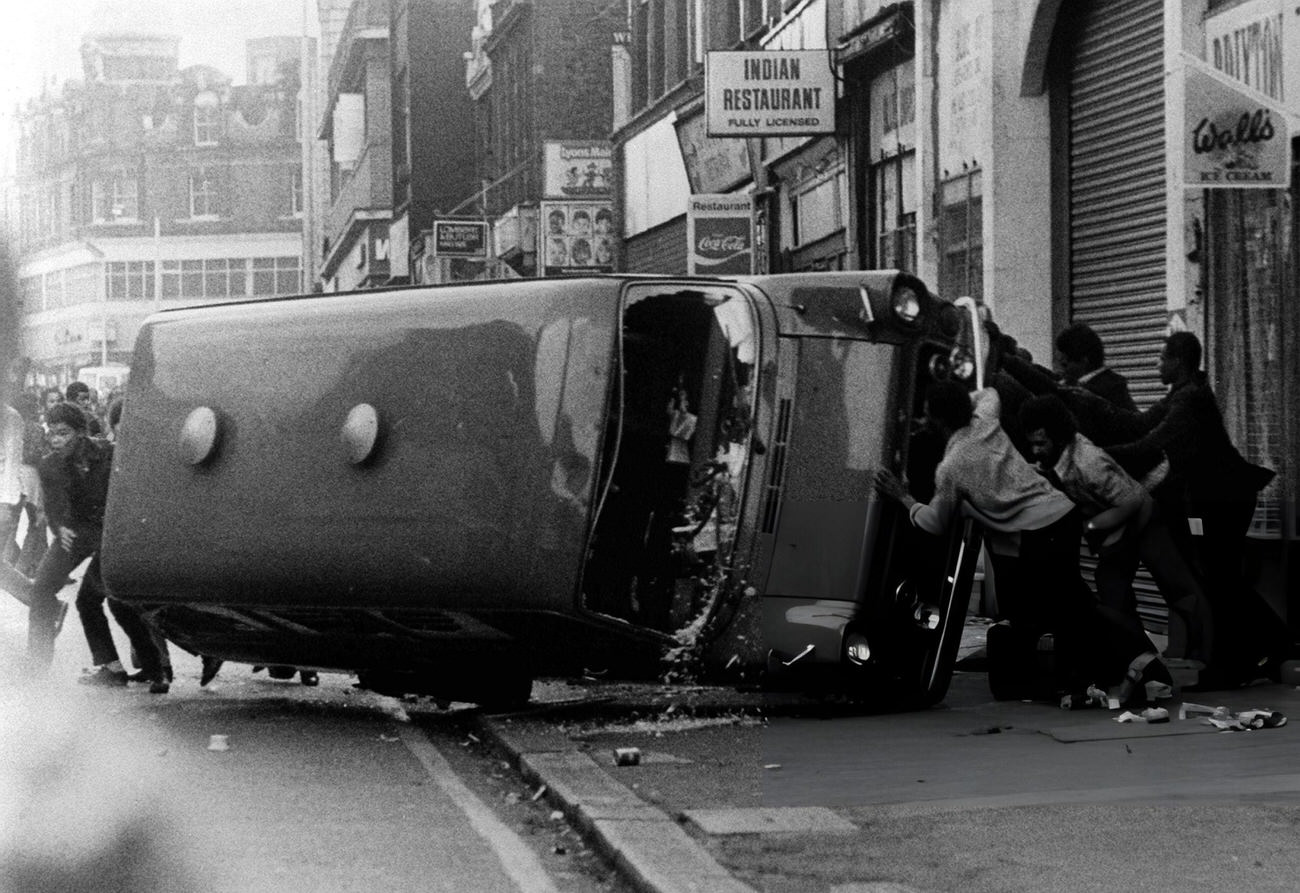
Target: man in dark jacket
[78, 394]
[74, 477]
[1082, 359]
[1211, 492]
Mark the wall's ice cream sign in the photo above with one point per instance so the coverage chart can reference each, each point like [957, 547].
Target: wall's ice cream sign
[769, 93]
[1232, 137]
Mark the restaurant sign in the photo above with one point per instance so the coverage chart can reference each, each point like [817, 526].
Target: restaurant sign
[769, 93]
[720, 235]
[1233, 137]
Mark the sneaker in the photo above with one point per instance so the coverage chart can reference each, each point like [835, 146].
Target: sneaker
[146, 676]
[211, 667]
[105, 678]
[159, 686]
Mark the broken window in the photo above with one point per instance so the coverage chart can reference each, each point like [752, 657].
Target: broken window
[675, 454]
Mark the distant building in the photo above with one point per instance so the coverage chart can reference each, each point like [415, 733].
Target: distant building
[433, 115]
[538, 73]
[146, 186]
[356, 123]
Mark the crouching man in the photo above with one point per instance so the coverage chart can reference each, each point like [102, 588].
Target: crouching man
[74, 477]
[1033, 534]
[1123, 525]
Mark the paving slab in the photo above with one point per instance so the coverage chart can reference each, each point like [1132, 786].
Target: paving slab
[650, 850]
[660, 856]
[770, 820]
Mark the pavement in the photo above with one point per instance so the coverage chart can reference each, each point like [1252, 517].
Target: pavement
[724, 780]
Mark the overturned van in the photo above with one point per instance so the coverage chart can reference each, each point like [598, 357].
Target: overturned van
[452, 490]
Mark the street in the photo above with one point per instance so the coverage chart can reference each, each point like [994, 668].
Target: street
[320, 789]
[334, 789]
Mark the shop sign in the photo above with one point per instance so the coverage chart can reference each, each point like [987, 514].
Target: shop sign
[769, 93]
[516, 231]
[712, 165]
[1256, 43]
[578, 169]
[1233, 137]
[459, 238]
[887, 34]
[576, 239]
[720, 235]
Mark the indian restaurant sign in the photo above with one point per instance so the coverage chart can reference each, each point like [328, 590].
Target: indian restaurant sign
[769, 93]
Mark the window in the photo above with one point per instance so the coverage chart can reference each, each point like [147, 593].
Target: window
[295, 192]
[207, 121]
[893, 188]
[211, 279]
[277, 276]
[815, 209]
[129, 280]
[33, 302]
[961, 243]
[115, 199]
[203, 193]
[665, 35]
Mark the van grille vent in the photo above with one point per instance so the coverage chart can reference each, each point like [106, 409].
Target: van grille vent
[776, 468]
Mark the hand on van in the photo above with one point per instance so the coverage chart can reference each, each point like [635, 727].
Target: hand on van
[890, 485]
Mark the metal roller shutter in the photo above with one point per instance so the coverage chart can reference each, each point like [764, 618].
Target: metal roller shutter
[1117, 185]
[1117, 203]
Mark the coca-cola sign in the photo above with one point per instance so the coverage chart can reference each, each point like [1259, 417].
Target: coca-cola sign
[720, 230]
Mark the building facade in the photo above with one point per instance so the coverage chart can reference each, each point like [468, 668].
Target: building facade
[433, 162]
[536, 73]
[146, 186]
[356, 123]
[1043, 156]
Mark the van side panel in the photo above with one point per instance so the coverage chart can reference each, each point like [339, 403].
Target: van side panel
[479, 490]
[837, 438]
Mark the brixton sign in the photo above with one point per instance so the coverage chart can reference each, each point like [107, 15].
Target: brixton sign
[1233, 138]
[459, 238]
[769, 93]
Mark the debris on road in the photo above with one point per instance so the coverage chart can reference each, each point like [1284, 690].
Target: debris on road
[627, 756]
[1247, 720]
[219, 742]
[1150, 715]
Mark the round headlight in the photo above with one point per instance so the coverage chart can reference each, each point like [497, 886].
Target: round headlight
[962, 364]
[856, 648]
[907, 304]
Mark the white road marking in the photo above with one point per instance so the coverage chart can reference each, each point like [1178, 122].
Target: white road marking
[519, 862]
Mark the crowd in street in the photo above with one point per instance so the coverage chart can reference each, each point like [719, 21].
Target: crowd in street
[54, 474]
[1042, 459]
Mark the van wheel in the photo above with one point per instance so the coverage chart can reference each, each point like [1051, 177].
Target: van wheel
[508, 694]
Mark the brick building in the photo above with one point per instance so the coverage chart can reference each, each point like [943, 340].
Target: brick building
[145, 186]
[356, 122]
[537, 72]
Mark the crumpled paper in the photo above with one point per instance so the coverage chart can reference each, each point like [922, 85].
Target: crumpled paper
[1247, 720]
[1150, 714]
